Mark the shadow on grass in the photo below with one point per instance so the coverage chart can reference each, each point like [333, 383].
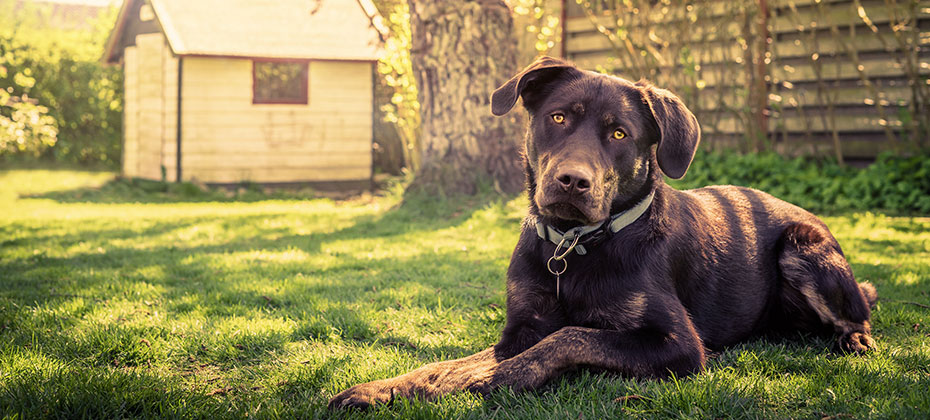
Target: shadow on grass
[55, 391]
[402, 221]
[136, 190]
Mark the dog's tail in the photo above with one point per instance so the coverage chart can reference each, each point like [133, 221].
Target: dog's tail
[868, 291]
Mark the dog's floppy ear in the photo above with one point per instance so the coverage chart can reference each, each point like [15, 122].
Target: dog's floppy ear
[679, 132]
[526, 82]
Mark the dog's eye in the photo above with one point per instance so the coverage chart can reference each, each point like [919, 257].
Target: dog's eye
[558, 118]
[619, 134]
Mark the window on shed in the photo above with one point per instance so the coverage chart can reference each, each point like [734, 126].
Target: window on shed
[279, 82]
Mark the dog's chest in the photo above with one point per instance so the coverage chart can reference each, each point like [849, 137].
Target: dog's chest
[602, 301]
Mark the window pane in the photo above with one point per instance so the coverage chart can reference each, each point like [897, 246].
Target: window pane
[280, 82]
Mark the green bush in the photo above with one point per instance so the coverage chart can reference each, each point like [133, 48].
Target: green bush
[60, 70]
[25, 127]
[900, 184]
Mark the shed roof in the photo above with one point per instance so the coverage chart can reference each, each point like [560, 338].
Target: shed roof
[301, 29]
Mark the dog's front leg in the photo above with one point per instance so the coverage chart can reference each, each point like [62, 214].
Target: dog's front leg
[474, 373]
[427, 382]
[637, 354]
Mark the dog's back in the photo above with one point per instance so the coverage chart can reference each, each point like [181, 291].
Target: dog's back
[729, 241]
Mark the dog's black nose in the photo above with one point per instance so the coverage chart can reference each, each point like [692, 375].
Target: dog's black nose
[574, 178]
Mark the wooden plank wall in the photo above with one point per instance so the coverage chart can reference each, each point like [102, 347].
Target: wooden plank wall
[227, 139]
[827, 71]
[149, 136]
[130, 163]
[169, 113]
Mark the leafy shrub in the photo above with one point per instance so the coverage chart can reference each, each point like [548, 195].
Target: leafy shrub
[25, 127]
[895, 183]
[396, 70]
[60, 71]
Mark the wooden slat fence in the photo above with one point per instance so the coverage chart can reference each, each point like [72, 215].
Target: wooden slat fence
[848, 78]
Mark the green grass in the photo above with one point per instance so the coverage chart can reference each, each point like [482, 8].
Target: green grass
[138, 300]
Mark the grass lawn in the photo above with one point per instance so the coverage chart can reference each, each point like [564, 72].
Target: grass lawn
[127, 302]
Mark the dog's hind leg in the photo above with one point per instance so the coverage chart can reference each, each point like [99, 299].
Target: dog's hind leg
[819, 292]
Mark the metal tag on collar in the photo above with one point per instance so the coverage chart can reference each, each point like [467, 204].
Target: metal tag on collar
[575, 235]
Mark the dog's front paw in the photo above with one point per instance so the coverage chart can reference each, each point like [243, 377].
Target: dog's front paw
[481, 383]
[856, 342]
[364, 395]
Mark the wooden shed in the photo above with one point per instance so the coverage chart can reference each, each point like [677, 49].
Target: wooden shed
[264, 91]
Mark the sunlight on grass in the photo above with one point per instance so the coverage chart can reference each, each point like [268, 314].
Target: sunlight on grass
[117, 302]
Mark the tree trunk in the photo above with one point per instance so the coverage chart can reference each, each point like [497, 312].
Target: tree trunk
[462, 51]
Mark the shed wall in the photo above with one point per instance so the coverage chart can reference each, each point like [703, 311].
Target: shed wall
[130, 151]
[227, 139]
[149, 137]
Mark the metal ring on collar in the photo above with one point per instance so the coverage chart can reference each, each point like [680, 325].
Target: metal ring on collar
[557, 273]
[555, 254]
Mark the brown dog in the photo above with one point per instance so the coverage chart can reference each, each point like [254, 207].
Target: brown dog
[616, 270]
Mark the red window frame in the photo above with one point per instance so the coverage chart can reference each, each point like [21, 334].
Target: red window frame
[304, 83]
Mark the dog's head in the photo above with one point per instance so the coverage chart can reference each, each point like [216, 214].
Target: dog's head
[592, 138]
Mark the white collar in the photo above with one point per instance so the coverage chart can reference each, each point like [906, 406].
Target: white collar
[615, 224]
